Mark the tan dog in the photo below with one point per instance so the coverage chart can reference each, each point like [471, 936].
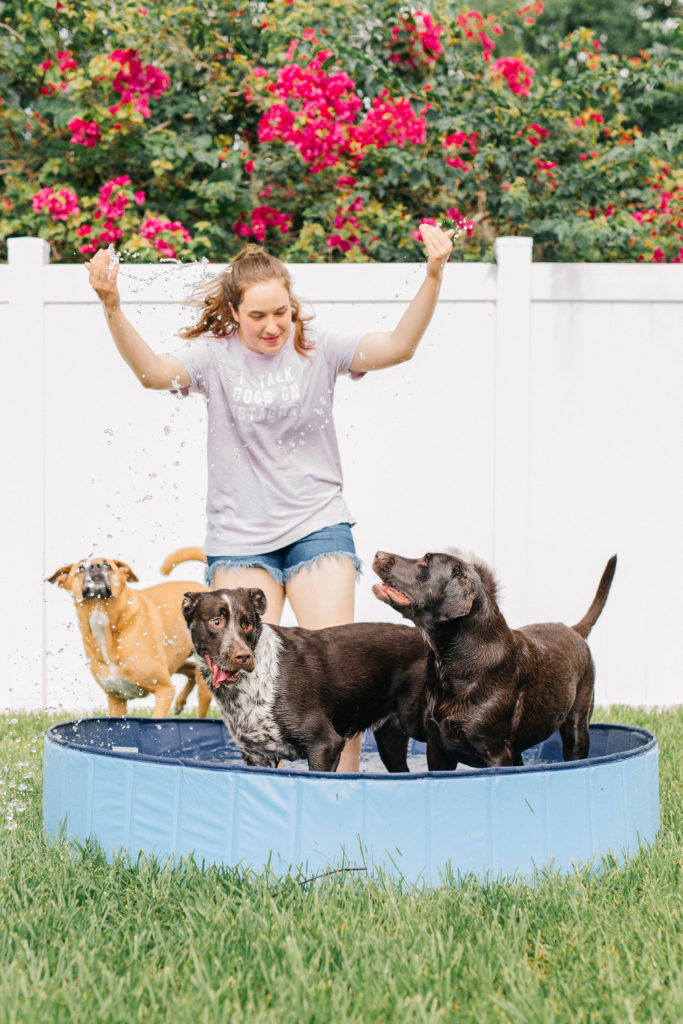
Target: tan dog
[135, 640]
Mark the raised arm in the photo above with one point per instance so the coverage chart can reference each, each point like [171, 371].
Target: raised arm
[388, 348]
[155, 371]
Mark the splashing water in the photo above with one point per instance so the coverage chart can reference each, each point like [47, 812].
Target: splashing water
[168, 265]
[114, 257]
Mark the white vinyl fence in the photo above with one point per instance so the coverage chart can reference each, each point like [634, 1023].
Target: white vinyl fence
[539, 426]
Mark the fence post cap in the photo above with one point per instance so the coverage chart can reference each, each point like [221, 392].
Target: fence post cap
[507, 243]
[24, 247]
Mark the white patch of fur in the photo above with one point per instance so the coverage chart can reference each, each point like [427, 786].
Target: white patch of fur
[99, 621]
[247, 706]
[114, 683]
[122, 688]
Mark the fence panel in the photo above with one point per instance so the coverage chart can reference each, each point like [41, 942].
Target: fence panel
[537, 426]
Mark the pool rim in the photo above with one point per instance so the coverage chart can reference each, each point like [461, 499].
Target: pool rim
[53, 735]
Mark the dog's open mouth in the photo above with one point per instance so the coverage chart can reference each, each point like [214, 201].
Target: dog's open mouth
[220, 675]
[95, 591]
[386, 593]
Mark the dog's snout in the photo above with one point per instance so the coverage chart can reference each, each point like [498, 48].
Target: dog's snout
[243, 657]
[383, 561]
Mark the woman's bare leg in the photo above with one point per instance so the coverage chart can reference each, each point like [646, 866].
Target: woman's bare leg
[253, 576]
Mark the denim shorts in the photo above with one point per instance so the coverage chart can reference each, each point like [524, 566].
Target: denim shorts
[283, 564]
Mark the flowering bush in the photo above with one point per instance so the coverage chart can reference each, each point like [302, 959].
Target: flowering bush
[327, 130]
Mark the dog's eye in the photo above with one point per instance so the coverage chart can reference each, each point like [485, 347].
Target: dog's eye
[247, 626]
[81, 568]
[216, 621]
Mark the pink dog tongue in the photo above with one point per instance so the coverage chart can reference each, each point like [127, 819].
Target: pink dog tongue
[219, 674]
[396, 595]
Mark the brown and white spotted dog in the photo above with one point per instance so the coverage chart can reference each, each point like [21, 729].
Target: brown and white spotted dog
[135, 640]
[287, 692]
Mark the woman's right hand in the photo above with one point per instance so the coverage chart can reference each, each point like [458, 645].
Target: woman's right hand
[103, 270]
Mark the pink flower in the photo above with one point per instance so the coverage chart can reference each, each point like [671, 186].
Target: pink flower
[84, 229]
[545, 167]
[535, 133]
[391, 122]
[137, 83]
[162, 233]
[415, 41]
[84, 133]
[261, 218]
[113, 200]
[458, 142]
[139, 198]
[455, 215]
[516, 73]
[60, 205]
[316, 113]
[530, 12]
[66, 61]
[472, 26]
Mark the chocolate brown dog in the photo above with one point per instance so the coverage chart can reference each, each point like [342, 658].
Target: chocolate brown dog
[135, 640]
[286, 692]
[491, 691]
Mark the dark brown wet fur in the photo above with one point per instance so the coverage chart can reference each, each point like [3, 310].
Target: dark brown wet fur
[491, 691]
[327, 684]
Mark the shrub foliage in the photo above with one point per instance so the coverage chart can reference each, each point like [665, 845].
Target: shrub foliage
[328, 129]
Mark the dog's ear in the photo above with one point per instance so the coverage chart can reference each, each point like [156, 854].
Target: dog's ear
[128, 573]
[458, 600]
[190, 602]
[60, 577]
[258, 599]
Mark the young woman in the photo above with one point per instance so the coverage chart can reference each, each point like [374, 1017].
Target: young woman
[277, 518]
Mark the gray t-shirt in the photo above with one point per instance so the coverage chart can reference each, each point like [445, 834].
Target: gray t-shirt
[274, 467]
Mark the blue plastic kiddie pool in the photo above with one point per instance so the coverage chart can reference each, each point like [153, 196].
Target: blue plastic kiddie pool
[173, 787]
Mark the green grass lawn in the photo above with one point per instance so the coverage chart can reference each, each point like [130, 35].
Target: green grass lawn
[83, 940]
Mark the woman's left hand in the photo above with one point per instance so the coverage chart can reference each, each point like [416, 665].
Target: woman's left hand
[438, 244]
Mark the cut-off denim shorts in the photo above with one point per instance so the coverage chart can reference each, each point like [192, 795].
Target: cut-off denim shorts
[283, 564]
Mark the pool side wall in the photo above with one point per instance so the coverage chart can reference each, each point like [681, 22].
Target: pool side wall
[417, 828]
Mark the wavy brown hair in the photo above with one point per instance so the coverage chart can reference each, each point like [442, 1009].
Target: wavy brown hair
[252, 265]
